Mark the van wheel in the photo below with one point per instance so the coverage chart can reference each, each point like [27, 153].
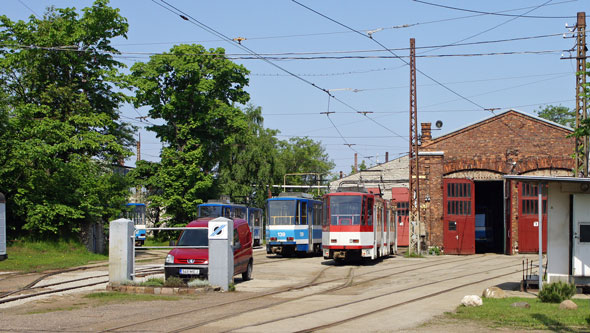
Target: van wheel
[247, 275]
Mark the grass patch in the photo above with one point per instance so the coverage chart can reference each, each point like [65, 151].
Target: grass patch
[545, 316]
[109, 297]
[154, 242]
[41, 256]
[413, 255]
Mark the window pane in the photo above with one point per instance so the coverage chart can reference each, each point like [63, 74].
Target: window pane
[281, 212]
[584, 233]
[345, 210]
[198, 237]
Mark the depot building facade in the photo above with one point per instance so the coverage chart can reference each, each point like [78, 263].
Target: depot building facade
[466, 206]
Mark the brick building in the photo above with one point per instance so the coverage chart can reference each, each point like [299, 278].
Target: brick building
[465, 205]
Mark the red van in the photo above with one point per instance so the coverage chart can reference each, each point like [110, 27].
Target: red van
[193, 263]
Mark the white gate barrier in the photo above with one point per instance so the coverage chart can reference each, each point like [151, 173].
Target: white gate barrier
[122, 250]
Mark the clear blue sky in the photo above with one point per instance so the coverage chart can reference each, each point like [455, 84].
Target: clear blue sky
[380, 85]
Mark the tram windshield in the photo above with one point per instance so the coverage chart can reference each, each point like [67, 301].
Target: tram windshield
[136, 213]
[282, 212]
[197, 237]
[213, 211]
[345, 210]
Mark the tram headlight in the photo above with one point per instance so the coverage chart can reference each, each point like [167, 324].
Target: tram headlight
[169, 259]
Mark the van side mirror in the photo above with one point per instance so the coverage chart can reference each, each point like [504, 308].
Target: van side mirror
[172, 243]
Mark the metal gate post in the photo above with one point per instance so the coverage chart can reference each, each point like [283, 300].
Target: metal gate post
[221, 252]
[540, 212]
[2, 227]
[121, 250]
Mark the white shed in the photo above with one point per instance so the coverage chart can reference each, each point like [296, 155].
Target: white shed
[568, 227]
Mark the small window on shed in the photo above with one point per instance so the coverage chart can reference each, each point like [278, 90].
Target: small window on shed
[585, 233]
[452, 226]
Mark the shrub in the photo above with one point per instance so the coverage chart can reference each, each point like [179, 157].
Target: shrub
[198, 283]
[174, 281]
[153, 282]
[557, 292]
[435, 250]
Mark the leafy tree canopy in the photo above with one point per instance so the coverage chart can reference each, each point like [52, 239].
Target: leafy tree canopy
[60, 119]
[253, 164]
[193, 91]
[304, 155]
[558, 114]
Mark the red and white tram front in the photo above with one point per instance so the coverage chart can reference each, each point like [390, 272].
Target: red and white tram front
[348, 226]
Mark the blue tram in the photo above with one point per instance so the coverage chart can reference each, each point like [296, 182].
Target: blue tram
[294, 224]
[255, 223]
[218, 208]
[136, 213]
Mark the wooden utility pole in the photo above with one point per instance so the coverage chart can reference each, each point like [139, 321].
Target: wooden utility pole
[581, 149]
[414, 179]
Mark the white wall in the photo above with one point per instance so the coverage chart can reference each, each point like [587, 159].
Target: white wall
[558, 233]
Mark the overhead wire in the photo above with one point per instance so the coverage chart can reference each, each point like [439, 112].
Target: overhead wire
[384, 47]
[492, 13]
[492, 28]
[282, 56]
[399, 26]
[534, 143]
[191, 19]
[29, 8]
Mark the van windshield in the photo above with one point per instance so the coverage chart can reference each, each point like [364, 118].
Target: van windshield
[197, 237]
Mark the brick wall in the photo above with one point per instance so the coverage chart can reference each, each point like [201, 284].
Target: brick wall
[511, 143]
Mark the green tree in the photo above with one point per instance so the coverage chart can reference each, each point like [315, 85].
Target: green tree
[304, 155]
[253, 164]
[361, 167]
[558, 114]
[194, 91]
[61, 127]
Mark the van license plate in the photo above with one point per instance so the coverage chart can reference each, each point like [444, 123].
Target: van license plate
[189, 271]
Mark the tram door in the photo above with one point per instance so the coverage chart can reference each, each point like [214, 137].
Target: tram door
[306, 220]
[459, 216]
[528, 219]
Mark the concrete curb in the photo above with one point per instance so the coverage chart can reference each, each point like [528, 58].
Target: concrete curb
[159, 290]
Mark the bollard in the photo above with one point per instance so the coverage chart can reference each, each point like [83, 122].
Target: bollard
[221, 254]
[3, 254]
[121, 250]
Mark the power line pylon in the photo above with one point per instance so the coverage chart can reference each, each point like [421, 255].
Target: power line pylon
[581, 149]
[414, 179]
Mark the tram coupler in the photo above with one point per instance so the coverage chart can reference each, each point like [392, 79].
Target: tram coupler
[341, 255]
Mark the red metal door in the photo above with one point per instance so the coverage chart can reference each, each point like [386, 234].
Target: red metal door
[459, 216]
[528, 217]
[401, 198]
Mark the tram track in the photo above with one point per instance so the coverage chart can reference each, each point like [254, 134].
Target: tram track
[348, 281]
[283, 290]
[416, 299]
[32, 286]
[373, 311]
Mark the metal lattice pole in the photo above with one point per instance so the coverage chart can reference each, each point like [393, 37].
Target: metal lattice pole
[414, 179]
[581, 149]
